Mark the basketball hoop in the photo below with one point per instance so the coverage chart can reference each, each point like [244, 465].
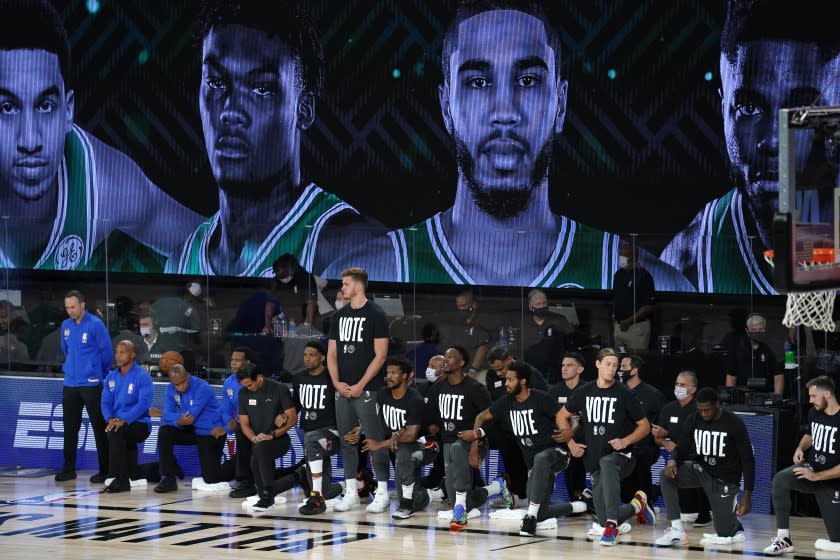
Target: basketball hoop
[813, 308]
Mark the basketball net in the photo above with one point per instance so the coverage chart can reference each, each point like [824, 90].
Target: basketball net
[814, 308]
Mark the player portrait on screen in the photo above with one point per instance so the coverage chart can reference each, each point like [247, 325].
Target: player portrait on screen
[772, 57]
[262, 68]
[63, 191]
[503, 101]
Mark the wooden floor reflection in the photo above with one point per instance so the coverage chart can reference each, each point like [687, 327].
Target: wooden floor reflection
[40, 519]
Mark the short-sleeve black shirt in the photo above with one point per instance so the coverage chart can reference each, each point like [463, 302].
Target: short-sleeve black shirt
[454, 407]
[354, 331]
[746, 362]
[672, 417]
[824, 452]
[315, 400]
[605, 414]
[399, 413]
[263, 405]
[496, 385]
[294, 295]
[632, 289]
[532, 422]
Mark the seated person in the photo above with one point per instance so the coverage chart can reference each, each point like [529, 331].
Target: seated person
[297, 292]
[155, 342]
[126, 398]
[191, 417]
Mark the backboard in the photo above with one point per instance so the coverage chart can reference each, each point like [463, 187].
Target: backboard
[806, 231]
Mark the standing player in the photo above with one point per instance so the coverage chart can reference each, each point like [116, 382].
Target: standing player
[611, 423]
[262, 68]
[64, 191]
[402, 408]
[713, 453]
[531, 416]
[125, 403]
[230, 419]
[88, 356]
[262, 403]
[454, 402]
[815, 470]
[315, 401]
[357, 349]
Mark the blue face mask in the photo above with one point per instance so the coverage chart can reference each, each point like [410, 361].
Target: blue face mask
[540, 311]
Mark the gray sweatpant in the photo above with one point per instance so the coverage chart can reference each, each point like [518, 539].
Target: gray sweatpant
[606, 488]
[313, 447]
[541, 479]
[723, 496]
[459, 473]
[410, 458]
[828, 499]
[363, 412]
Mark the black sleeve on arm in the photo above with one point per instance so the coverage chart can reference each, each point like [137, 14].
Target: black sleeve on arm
[482, 397]
[685, 447]
[538, 380]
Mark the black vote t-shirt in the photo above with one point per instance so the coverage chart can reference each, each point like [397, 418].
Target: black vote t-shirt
[354, 331]
[496, 385]
[454, 407]
[399, 413]
[532, 421]
[824, 452]
[605, 414]
[314, 399]
[263, 405]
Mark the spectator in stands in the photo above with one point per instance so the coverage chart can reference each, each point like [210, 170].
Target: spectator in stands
[634, 298]
[752, 358]
[297, 292]
[468, 331]
[155, 342]
[544, 335]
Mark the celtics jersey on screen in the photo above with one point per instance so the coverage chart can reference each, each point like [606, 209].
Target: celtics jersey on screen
[583, 257]
[74, 242]
[297, 234]
[724, 254]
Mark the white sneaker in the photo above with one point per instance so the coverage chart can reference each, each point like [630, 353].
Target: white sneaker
[349, 501]
[547, 524]
[596, 530]
[827, 545]
[672, 536]
[712, 538]
[779, 545]
[250, 501]
[447, 514]
[435, 495]
[134, 483]
[381, 502]
[198, 485]
[512, 514]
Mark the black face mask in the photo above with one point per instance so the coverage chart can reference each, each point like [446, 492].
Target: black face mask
[759, 337]
[465, 314]
[540, 311]
[625, 375]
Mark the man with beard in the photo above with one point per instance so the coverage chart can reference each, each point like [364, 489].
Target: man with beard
[262, 68]
[503, 101]
[773, 56]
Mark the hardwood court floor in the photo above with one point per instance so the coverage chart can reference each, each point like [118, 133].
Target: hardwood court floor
[40, 519]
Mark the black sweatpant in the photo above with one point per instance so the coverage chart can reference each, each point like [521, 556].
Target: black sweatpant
[122, 446]
[828, 498]
[511, 455]
[263, 456]
[209, 453]
[242, 460]
[723, 496]
[73, 400]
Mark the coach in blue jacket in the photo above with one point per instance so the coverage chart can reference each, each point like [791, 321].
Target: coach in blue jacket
[88, 356]
[191, 416]
[126, 399]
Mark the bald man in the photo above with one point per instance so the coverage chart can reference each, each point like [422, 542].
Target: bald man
[434, 371]
[126, 398]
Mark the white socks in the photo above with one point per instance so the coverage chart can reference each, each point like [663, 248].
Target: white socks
[461, 499]
[408, 491]
[316, 468]
[783, 533]
[493, 488]
[677, 524]
[578, 507]
[351, 485]
[382, 487]
[533, 509]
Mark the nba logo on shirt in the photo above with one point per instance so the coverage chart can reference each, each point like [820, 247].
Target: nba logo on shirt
[130, 388]
[230, 393]
[112, 384]
[84, 338]
[66, 333]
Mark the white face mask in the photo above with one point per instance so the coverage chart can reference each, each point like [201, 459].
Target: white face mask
[339, 303]
[194, 289]
[286, 280]
[431, 374]
[146, 331]
[681, 393]
[623, 261]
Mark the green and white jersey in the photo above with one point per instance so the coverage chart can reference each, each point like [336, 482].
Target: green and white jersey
[726, 261]
[297, 233]
[583, 257]
[73, 234]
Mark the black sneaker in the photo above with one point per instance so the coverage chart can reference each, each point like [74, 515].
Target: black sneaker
[168, 484]
[704, 519]
[265, 503]
[529, 526]
[98, 478]
[118, 485]
[64, 476]
[586, 497]
[314, 504]
[405, 510]
[244, 490]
